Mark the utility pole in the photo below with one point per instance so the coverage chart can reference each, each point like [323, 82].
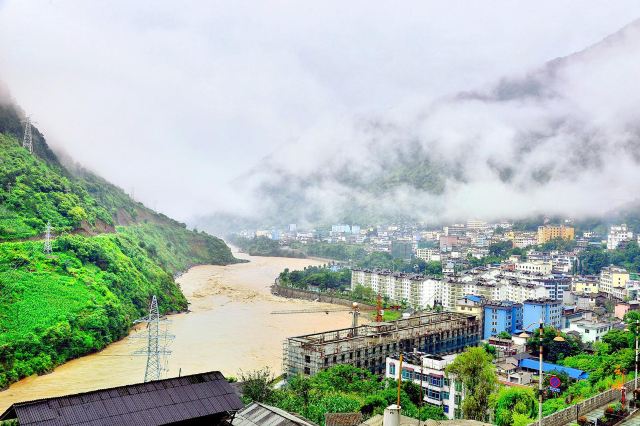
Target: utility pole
[155, 349]
[47, 239]
[27, 140]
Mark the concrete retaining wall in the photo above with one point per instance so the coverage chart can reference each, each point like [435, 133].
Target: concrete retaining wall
[571, 414]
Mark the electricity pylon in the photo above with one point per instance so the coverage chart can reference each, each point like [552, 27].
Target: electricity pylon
[47, 239]
[156, 347]
[27, 140]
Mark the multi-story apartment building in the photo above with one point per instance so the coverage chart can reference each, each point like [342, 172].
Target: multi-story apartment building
[421, 291]
[473, 305]
[534, 267]
[429, 254]
[613, 281]
[585, 284]
[618, 234]
[502, 316]
[549, 310]
[477, 225]
[524, 239]
[428, 371]
[551, 232]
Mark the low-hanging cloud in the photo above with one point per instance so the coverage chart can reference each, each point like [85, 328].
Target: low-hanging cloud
[294, 111]
[563, 139]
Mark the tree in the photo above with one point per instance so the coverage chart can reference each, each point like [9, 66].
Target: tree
[256, 385]
[504, 335]
[617, 339]
[474, 368]
[511, 401]
[554, 350]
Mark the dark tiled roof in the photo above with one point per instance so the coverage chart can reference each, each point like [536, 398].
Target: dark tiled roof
[144, 404]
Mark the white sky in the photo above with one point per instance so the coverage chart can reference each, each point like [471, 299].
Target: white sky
[175, 99]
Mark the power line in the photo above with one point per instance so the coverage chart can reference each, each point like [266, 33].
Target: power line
[27, 140]
[156, 346]
[47, 239]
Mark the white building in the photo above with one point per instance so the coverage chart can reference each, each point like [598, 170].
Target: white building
[429, 254]
[590, 331]
[428, 371]
[536, 267]
[618, 234]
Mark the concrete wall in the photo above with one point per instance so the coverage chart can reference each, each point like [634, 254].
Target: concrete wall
[571, 414]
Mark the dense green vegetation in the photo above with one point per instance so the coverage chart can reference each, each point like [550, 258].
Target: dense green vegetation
[75, 301]
[32, 193]
[474, 368]
[320, 277]
[593, 259]
[263, 246]
[339, 389]
[99, 279]
[175, 248]
[612, 359]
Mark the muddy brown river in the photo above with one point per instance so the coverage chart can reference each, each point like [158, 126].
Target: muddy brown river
[230, 328]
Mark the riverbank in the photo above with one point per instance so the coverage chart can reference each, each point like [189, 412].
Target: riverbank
[229, 328]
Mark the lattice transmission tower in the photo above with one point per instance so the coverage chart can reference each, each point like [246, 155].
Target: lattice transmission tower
[27, 140]
[47, 239]
[156, 346]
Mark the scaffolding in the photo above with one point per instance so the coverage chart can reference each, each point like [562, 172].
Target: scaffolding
[368, 346]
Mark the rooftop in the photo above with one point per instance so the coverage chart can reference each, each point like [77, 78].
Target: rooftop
[547, 367]
[205, 396]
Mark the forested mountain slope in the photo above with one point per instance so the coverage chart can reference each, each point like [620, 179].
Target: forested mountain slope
[110, 255]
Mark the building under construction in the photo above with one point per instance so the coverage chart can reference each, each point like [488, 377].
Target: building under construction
[367, 346]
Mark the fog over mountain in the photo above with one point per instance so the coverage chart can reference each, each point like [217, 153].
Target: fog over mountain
[563, 139]
[287, 111]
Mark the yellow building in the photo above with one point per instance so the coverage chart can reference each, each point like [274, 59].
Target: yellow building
[613, 281]
[550, 232]
[586, 287]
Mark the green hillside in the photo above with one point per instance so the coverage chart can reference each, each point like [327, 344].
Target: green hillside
[110, 255]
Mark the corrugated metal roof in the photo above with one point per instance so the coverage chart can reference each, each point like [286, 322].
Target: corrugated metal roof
[258, 414]
[144, 404]
[547, 367]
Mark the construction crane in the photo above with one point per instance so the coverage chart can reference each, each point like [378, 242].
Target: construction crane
[355, 310]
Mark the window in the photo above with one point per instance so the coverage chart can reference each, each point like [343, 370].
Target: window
[457, 399]
[445, 408]
[446, 382]
[457, 413]
[307, 358]
[307, 370]
[445, 396]
[458, 386]
[432, 394]
[435, 381]
[406, 374]
[392, 369]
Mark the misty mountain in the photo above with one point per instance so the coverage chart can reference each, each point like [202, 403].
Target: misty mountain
[564, 140]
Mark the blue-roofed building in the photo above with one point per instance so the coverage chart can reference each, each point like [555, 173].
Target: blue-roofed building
[549, 310]
[502, 316]
[547, 367]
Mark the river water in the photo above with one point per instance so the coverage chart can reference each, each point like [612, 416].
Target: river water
[230, 328]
